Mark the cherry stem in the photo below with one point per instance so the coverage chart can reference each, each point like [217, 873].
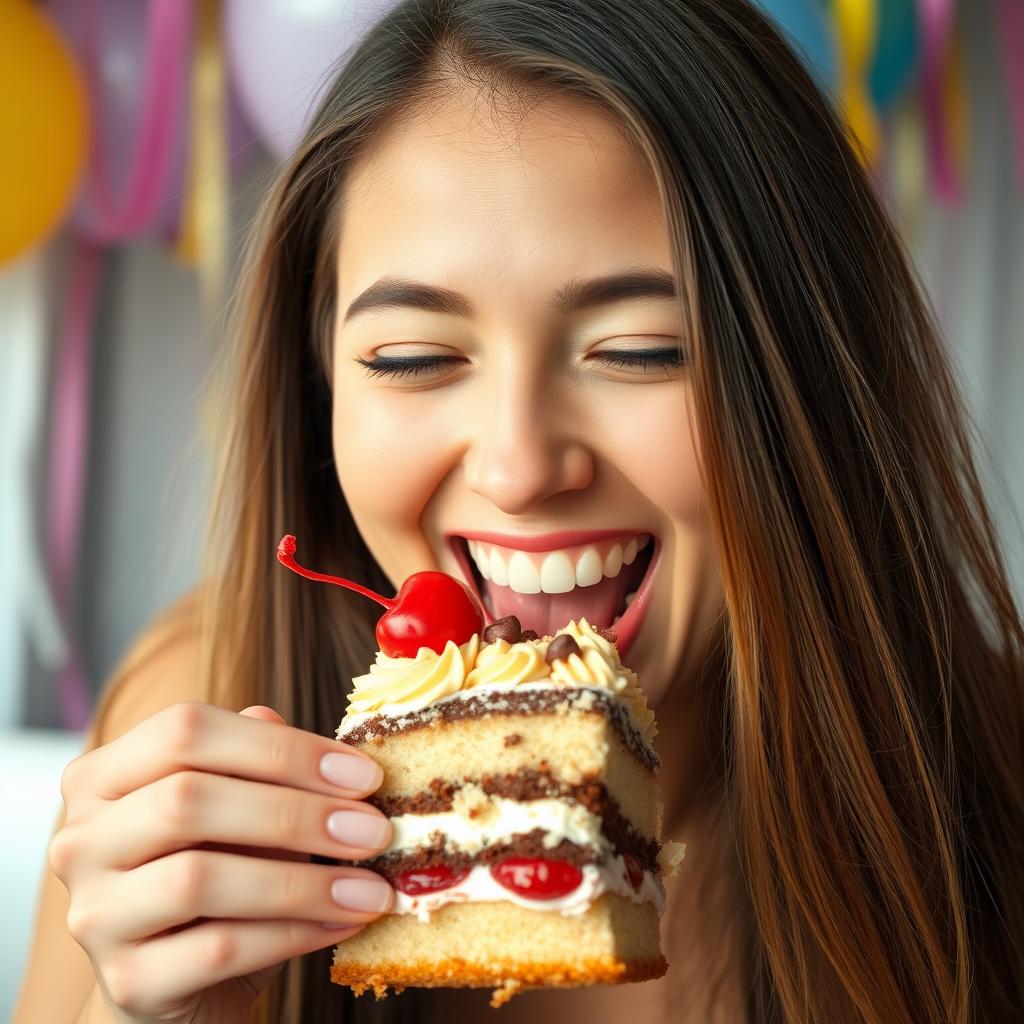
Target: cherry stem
[286, 556]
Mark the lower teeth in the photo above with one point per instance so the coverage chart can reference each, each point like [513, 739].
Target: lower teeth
[629, 598]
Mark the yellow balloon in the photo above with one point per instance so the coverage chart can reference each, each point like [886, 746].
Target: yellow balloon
[44, 126]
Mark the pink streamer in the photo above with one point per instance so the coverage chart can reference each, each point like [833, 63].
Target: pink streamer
[935, 20]
[168, 33]
[69, 449]
[1011, 31]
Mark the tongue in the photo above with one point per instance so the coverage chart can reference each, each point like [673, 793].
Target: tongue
[599, 604]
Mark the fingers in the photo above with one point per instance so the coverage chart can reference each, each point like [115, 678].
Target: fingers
[144, 979]
[264, 713]
[194, 735]
[190, 807]
[193, 884]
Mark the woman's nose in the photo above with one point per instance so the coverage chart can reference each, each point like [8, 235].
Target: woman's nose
[524, 451]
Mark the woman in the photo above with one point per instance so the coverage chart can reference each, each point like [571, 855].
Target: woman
[832, 649]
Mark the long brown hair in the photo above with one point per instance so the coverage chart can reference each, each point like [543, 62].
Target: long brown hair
[873, 734]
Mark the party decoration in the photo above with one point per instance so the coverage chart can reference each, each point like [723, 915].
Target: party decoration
[136, 56]
[895, 58]
[43, 128]
[806, 27]
[857, 29]
[67, 463]
[205, 226]
[1010, 14]
[936, 20]
[431, 608]
[282, 56]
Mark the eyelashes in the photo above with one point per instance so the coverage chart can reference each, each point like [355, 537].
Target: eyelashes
[629, 359]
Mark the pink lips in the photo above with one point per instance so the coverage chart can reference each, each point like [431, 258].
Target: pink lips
[547, 541]
[627, 626]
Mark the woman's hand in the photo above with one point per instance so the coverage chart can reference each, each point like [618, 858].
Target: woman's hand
[185, 853]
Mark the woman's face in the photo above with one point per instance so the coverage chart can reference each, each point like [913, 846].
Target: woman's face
[525, 420]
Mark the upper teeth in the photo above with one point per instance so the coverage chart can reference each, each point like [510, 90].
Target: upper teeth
[554, 572]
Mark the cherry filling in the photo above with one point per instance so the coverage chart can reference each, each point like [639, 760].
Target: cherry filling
[634, 872]
[536, 878]
[418, 881]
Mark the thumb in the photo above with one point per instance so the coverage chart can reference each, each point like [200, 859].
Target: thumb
[262, 712]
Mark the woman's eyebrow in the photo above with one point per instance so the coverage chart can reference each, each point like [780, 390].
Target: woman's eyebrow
[575, 295]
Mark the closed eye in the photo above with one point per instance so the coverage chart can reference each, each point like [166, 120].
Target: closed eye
[628, 359]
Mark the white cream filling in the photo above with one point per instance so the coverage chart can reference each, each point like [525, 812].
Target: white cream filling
[477, 820]
[480, 886]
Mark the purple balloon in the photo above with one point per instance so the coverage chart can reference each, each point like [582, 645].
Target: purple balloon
[281, 56]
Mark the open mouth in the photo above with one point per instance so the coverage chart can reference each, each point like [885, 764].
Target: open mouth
[605, 581]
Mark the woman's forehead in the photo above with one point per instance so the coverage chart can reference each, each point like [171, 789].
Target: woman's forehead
[452, 191]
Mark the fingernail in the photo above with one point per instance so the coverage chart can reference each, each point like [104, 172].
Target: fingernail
[357, 828]
[368, 894]
[351, 771]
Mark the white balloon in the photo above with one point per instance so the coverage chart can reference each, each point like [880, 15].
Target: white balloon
[282, 55]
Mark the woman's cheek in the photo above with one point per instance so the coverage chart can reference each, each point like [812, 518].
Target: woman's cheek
[391, 453]
[654, 445]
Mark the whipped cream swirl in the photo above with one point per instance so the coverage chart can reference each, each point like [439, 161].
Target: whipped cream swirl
[396, 686]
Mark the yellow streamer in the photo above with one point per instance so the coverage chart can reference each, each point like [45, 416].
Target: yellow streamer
[856, 23]
[909, 162]
[203, 241]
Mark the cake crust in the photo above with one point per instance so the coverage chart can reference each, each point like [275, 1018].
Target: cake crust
[504, 946]
[506, 977]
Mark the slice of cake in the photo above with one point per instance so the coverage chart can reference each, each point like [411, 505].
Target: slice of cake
[519, 778]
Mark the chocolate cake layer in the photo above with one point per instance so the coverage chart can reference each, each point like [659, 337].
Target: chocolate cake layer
[530, 844]
[532, 784]
[510, 702]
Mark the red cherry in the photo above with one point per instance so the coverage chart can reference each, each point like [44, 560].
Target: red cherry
[430, 609]
[421, 880]
[536, 878]
[634, 872]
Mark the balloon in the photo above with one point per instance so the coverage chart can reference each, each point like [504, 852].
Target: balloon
[281, 55]
[43, 128]
[807, 28]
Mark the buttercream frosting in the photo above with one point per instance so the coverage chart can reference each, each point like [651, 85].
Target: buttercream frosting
[396, 686]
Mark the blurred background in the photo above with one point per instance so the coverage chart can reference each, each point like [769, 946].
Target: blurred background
[138, 137]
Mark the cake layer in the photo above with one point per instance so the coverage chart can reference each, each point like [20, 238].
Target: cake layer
[477, 814]
[527, 844]
[567, 747]
[489, 701]
[504, 945]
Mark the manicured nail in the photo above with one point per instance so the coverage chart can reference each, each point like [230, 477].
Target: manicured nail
[357, 828]
[372, 895]
[350, 771]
